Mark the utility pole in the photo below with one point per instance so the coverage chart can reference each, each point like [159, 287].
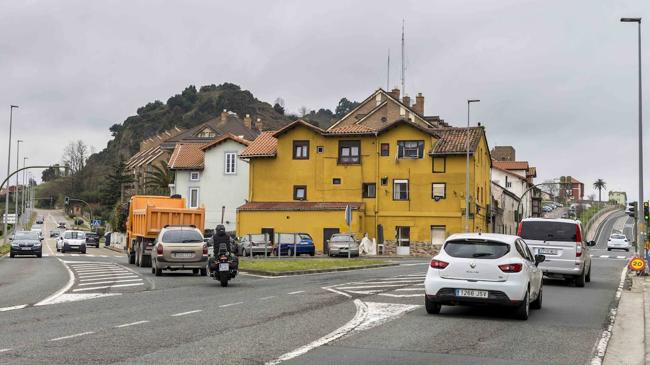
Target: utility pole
[22, 202]
[18, 142]
[403, 63]
[467, 195]
[6, 218]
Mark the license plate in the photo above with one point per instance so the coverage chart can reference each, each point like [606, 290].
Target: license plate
[224, 266]
[547, 251]
[74, 246]
[471, 293]
[182, 254]
[26, 248]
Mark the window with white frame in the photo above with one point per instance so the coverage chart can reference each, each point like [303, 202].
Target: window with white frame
[230, 163]
[194, 198]
[195, 176]
[400, 190]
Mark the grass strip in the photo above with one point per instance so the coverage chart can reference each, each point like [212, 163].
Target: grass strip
[285, 265]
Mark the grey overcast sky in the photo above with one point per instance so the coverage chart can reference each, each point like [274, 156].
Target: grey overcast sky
[556, 78]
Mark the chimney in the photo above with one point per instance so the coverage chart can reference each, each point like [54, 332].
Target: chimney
[224, 115]
[406, 100]
[258, 124]
[248, 121]
[419, 104]
[394, 93]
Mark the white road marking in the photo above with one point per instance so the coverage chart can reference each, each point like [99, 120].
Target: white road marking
[186, 313]
[400, 295]
[110, 281]
[103, 256]
[365, 292]
[125, 276]
[230, 305]
[409, 275]
[409, 289]
[5, 309]
[96, 272]
[131, 324]
[74, 254]
[370, 286]
[620, 257]
[95, 276]
[337, 292]
[266, 298]
[66, 298]
[403, 282]
[61, 291]
[5, 350]
[106, 287]
[604, 256]
[296, 292]
[601, 344]
[72, 336]
[408, 278]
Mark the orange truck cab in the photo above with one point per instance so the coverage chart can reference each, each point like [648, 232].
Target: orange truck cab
[148, 215]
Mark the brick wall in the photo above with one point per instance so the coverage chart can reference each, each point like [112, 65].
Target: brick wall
[418, 249]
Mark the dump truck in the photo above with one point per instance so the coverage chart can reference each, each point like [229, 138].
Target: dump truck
[148, 215]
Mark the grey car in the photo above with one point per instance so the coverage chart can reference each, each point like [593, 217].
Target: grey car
[26, 243]
[340, 243]
[257, 244]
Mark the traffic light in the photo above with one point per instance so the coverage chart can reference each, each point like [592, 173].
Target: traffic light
[646, 211]
[631, 209]
[66, 201]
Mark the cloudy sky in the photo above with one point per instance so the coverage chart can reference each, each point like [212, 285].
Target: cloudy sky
[556, 79]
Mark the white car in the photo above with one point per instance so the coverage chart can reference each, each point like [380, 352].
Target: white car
[484, 268]
[71, 240]
[618, 241]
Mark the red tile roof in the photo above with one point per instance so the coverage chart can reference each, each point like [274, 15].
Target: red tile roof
[223, 138]
[454, 140]
[187, 156]
[351, 129]
[296, 123]
[299, 206]
[263, 146]
[511, 165]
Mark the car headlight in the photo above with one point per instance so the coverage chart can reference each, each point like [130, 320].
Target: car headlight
[37, 243]
[14, 244]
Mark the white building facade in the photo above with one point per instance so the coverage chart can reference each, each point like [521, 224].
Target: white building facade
[515, 184]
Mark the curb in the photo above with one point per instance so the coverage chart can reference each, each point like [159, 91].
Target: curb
[114, 249]
[314, 271]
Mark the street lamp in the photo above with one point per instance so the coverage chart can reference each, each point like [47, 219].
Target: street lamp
[469, 102]
[11, 114]
[23, 194]
[18, 142]
[639, 216]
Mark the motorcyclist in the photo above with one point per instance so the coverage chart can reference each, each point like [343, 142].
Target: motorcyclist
[220, 237]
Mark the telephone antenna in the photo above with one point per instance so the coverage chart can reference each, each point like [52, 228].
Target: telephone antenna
[388, 72]
[403, 65]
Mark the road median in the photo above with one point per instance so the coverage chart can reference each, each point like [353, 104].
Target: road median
[300, 266]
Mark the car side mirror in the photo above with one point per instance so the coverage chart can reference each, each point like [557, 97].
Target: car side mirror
[11, 238]
[539, 259]
[41, 238]
[592, 243]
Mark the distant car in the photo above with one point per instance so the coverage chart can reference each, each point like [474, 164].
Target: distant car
[480, 269]
[179, 248]
[26, 243]
[39, 220]
[61, 225]
[304, 244]
[92, 239]
[71, 241]
[255, 244]
[54, 233]
[618, 241]
[37, 229]
[563, 243]
[565, 215]
[340, 243]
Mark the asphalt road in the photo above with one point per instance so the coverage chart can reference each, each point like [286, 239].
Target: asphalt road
[355, 317]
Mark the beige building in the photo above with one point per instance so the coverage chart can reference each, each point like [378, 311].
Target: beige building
[619, 197]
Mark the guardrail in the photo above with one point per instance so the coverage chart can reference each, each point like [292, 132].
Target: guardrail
[596, 217]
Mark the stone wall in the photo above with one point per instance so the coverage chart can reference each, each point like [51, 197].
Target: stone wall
[418, 249]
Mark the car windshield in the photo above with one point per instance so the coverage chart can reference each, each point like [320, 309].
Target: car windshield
[341, 239]
[182, 236]
[477, 249]
[617, 237]
[26, 236]
[74, 235]
[548, 231]
[305, 236]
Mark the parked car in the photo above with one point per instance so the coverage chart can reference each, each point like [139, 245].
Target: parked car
[92, 239]
[179, 248]
[476, 268]
[39, 220]
[26, 243]
[618, 241]
[54, 233]
[300, 243]
[340, 243]
[257, 244]
[71, 241]
[562, 241]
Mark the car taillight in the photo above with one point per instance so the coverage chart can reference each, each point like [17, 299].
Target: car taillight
[223, 258]
[510, 267]
[159, 249]
[520, 228]
[578, 241]
[437, 264]
[205, 250]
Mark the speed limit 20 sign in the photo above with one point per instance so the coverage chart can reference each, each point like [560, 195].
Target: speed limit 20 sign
[637, 264]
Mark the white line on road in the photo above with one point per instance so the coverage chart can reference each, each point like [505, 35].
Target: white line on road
[370, 286]
[620, 257]
[603, 342]
[296, 292]
[110, 281]
[267, 298]
[13, 307]
[337, 292]
[403, 282]
[72, 336]
[125, 276]
[186, 313]
[230, 305]
[5, 350]
[62, 290]
[106, 287]
[400, 295]
[409, 289]
[604, 256]
[95, 276]
[131, 324]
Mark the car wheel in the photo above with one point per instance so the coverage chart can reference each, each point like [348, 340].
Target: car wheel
[431, 306]
[12, 255]
[290, 253]
[58, 249]
[243, 252]
[312, 253]
[62, 250]
[537, 303]
[153, 270]
[588, 276]
[609, 249]
[83, 252]
[195, 271]
[204, 272]
[524, 309]
[158, 271]
[137, 257]
[580, 280]
[39, 255]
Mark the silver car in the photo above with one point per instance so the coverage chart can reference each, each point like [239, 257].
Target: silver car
[257, 244]
[340, 243]
[562, 242]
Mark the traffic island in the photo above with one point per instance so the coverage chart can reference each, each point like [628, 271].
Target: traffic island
[300, 266]
[4, 249]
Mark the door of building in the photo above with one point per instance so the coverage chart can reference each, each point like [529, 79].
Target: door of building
[327, 234]
[438, 234]
[269, 232]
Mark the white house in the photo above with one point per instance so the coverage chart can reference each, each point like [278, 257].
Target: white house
[515, 184]
[212, 175]
[506, 204]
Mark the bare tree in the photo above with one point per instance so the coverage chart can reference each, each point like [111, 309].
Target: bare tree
[552, 188]
[75, 155]
[303, 111]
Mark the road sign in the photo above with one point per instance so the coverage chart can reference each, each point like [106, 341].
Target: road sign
[96, 222]
[348, 215]
[11, 218]
[637, 264]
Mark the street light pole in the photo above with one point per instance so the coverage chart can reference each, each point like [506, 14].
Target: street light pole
[22, 202]
[18, 142]
[467, 167]
[11, 114]
[639, 214]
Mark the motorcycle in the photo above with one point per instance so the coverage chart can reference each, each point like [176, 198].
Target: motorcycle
[222, 266]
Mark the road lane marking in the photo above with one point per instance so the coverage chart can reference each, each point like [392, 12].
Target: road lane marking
[186, 313]
[400, 295]
[110, 281]
[5, 309]
[5, 350]
[337, 292]
[230, 305]
[620, 257]
[603, 341]
[422, 277]
[266, 298]
[97, 272]
[61, 291]
[106, 287]
[125, 276]
[403, 282]
[95, 276]
[370, 286]
[604, 256]
[409, 289]
[365, 292]
[296, 292]
[131, 324]
[72, 336]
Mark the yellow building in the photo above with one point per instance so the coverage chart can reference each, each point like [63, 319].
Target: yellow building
[403, 177]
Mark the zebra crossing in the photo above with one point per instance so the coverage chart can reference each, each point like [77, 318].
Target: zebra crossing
[79, 255]
[400, 286]
[103, 277]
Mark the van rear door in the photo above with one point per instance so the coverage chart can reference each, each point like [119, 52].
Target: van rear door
[558, 241]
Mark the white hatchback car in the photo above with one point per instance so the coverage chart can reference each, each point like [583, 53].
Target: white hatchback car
[480, 269]
[618, 241]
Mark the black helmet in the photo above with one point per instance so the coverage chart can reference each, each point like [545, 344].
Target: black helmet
[220, 230]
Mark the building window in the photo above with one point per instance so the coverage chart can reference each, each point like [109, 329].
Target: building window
[438, 235]
[400, 190]
[336, 181]
[194, 198]
[320, 149]
[508, 183]
[439, 164]
[230, 163]
[438, 191]
[206, 133]
[410, 149]
[195, 176]
[385, 149]
[299, 192]
[369, 190]
[384, 181]
[300, 150]
[349, 152]
[402, 236]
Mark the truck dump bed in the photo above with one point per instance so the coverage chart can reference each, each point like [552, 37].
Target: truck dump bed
[149, 214]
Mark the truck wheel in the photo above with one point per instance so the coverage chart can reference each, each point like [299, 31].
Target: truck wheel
[145, 260]
[137, 257]
[158, 272]
[204, 272]
[195, 271]
[131, 257]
